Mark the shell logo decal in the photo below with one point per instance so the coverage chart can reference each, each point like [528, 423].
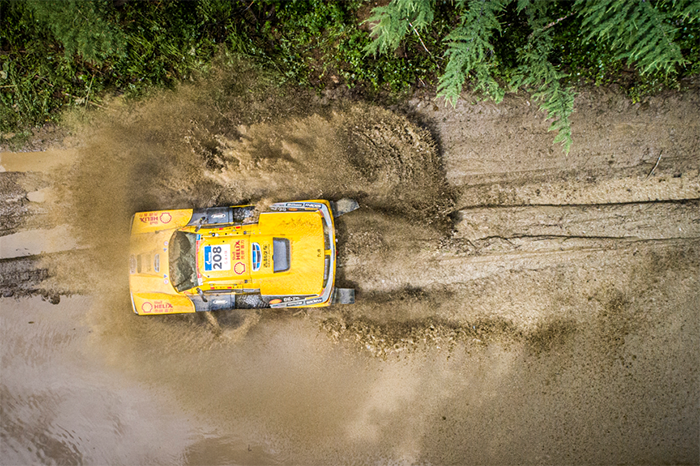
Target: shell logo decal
[152, 218]
[156, 307]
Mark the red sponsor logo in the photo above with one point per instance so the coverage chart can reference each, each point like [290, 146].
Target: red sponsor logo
[152, 218]
[156, 306]
[238, 251]
[239, 268]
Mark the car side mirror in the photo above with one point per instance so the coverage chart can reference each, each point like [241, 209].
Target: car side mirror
[200, 222]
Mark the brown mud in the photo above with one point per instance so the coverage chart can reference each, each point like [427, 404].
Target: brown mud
[515, 305]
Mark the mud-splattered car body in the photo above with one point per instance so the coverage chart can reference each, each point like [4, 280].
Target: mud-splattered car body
[187, 260]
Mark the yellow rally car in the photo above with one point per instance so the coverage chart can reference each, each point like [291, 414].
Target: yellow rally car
[236, 258]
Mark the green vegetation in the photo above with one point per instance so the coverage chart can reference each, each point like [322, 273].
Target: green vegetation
[62, 53]
[643, 35]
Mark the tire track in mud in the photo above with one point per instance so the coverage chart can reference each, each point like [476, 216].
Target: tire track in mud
[407, 239]
[17, 209]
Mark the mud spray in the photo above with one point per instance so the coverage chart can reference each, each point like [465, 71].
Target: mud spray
[449, 357]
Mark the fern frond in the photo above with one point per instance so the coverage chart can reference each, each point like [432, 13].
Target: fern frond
[394, 21]
[640, 33]
[538, 74]
[469, 51]
[689, 9]
[535, 8]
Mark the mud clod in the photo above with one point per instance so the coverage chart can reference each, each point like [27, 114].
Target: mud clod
[395, 338]
[550, 336]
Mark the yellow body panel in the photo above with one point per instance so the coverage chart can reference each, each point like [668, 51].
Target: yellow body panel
[224, 258]
[304, 230]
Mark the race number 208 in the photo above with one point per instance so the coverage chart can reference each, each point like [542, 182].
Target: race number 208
[217, 257]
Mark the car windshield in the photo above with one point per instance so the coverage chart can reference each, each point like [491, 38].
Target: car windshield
[182, 255]
[280, 254]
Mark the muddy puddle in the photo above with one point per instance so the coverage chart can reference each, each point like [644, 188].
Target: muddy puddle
[489, 328]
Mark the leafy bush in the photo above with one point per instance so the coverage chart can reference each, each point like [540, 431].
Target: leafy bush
[55, 53]
[81, 27]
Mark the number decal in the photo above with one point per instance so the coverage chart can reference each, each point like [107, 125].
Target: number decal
[217, 258]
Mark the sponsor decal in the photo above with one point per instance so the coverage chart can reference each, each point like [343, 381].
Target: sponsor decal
[238, 250]
[295, 301]
[291, 304]
[217, 257]
[153, 218]
[239, 268]
[149, 218]
[266, 255]
[156, 307]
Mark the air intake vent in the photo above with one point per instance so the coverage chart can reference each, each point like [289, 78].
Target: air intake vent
[256, 256]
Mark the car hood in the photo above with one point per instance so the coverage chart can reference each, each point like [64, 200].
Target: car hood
[148, 262]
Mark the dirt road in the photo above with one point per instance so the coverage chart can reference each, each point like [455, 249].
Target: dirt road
[515, 305]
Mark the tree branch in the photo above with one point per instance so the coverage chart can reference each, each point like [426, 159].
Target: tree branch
[423, 44]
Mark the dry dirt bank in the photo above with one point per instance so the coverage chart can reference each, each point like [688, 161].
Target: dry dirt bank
[515, 305]
[498, 154]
